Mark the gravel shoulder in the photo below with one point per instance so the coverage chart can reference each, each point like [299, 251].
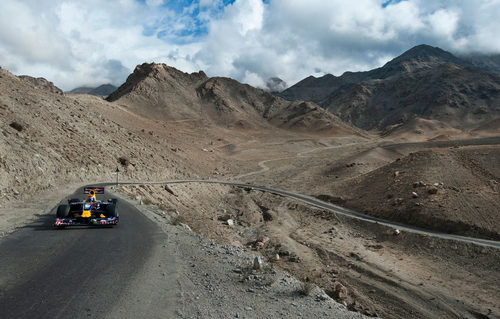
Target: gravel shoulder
[206, 279]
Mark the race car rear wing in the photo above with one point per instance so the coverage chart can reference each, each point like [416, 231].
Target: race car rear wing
[97, 190]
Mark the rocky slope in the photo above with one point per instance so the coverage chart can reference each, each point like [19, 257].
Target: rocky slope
[48, 139]
[424, 81]
[159, 91]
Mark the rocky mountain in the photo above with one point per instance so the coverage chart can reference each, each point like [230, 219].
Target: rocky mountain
[462, 97]
[424, 81]
[101, 90]
[41, 83]
[159, 91]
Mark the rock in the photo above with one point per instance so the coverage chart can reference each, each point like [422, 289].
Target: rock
[230, 222]
[340, 291]
[259, 245]
[268, 216]
[321, 297]
[18, 127]
[237, 270]
[432, 190]
[392, 232]
[258, 263]
[168, 189]
[418, 184]
[248, 308]
[414, 195]
[263, 239]
[124, 161]
[396, 173]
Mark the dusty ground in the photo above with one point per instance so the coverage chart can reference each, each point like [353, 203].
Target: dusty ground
[334, 251]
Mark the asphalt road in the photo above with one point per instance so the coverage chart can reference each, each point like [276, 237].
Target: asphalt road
[77, 272]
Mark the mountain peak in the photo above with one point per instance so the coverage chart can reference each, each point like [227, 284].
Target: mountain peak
[424, 53]
[153, 74]
[162, 68]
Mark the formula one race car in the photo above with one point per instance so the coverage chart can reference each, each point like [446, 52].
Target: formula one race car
[88, 211]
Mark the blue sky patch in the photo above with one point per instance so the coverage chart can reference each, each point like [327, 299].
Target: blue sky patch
[189, 22]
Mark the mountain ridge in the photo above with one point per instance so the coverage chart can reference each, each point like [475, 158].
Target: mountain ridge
[424, 81]
[158, 90]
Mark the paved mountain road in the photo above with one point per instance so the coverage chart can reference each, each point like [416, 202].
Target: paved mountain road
[119, 272]
[80, 272]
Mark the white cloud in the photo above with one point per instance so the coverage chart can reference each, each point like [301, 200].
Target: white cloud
[91, 42]
[444, 23]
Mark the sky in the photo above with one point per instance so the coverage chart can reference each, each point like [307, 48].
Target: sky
[87, 43]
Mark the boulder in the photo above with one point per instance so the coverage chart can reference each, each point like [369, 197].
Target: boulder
[432, 190]
[258, 263]
[340, 291]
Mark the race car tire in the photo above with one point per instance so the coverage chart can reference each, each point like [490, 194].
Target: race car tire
[62, 211]
[111, 211]
[115, 201]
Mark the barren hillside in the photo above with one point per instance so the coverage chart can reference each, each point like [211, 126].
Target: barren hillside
[47, 139]
[453, 191]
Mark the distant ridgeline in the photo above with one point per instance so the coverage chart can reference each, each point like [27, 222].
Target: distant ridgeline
[423, 82]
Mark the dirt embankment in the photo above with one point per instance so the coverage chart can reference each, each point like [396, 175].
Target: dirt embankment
[450, 190]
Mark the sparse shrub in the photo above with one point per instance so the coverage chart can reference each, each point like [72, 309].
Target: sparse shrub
[16, 126]
[177, 220]
[124, 161]
[305, 288]
[265, 276]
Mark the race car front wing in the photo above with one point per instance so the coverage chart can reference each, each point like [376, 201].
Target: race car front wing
[60, 222]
